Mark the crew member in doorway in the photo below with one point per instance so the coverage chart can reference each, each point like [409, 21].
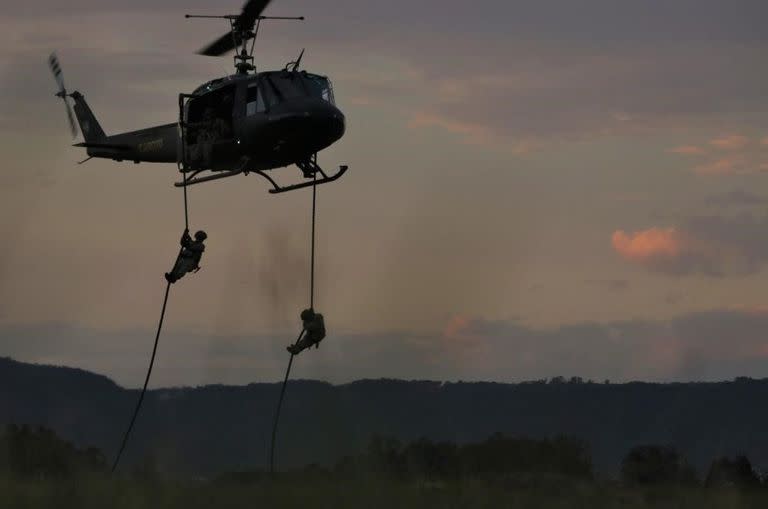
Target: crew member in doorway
[189, 257]
[314, 331]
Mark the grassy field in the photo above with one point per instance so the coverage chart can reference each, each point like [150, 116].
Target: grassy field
[93, 493]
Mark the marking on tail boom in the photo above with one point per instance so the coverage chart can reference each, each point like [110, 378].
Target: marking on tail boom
[151, 146]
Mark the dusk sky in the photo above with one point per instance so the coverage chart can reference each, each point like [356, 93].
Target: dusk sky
[536, 188]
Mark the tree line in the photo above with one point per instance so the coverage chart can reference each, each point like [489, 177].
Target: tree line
[499, 454]
[38, 453]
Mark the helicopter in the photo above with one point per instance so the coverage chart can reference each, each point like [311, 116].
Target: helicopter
[247, 122]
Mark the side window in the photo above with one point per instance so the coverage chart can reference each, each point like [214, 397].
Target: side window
[254, 101]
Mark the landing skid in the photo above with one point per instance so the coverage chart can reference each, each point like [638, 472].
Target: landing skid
[310, 169]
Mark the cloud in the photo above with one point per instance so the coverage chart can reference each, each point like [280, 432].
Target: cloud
[712, 245]
[736, 197]
[586, 93]
[689, 347]
[456, 325]
[743, 157]
[654, 246]
[474, 134]
[730, 142]
[538, 72]
[688, 150]
[708, 345]
[726, 166]
[671, 251]
[615, 285]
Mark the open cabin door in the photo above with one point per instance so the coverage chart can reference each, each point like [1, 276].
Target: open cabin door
[208, 130]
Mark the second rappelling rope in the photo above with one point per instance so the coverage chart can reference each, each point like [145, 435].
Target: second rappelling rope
[303, 331]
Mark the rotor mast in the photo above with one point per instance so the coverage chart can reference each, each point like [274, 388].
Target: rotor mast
[243, 27]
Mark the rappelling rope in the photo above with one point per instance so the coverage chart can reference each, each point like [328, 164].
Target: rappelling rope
[186, 208]
[312, 255]
[146, 381]
[311, 305]
[277, 412]
[154, 348]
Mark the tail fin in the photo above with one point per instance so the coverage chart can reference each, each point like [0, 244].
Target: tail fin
[89, 126]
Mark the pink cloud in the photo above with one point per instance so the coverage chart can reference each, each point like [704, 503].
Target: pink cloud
[751, 309]
[730, 142]
[653, 245]
[736, 165]
[472, 133]
[457, 325]
[711, 245]
[672, 251]
[725, 166]
[688, 150]
[743, 158]
[461, 339]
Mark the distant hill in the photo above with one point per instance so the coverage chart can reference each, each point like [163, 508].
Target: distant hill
[214, 428]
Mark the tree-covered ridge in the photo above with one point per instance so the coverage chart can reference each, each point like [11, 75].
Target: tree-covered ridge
[322, 422]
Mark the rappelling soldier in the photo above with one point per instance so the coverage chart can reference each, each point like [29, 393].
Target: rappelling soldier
[314, 331]
[189, 257]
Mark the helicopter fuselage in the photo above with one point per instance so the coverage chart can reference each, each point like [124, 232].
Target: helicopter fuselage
[247, 121]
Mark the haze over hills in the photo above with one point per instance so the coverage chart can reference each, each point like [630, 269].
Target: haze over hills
[215, 428]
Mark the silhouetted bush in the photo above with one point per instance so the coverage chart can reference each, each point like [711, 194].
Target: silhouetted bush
[736, 471]
[384, 457]
[39, 453]
[653, 464]
[497, 455]
[432, 459]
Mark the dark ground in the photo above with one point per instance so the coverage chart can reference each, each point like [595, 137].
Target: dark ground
[94, 493]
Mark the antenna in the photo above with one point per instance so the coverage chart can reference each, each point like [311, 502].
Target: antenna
[295, 64]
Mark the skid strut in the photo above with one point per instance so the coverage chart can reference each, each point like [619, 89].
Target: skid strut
[309, 168]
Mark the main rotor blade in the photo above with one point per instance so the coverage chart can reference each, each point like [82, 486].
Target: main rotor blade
[244, 22]
[251, 12]
[220, 46]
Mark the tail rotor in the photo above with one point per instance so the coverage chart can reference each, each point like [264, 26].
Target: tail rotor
[53, 63]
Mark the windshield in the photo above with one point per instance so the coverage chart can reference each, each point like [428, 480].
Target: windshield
[319, 87]
[284, 86]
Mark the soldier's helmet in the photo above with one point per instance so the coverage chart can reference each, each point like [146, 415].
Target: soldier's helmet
[200, 235]
[307, 314]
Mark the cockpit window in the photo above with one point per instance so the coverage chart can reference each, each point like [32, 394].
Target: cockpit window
[319, 87]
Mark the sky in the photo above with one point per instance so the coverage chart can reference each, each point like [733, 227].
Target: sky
[536, 188]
